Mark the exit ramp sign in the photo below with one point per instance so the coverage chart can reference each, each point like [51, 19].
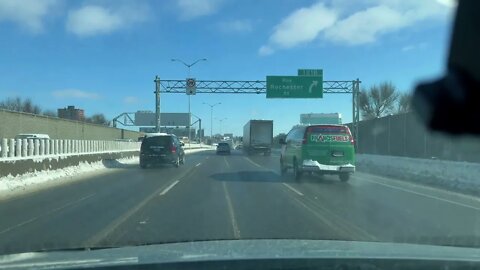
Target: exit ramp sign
[294, 87]
[311, 72]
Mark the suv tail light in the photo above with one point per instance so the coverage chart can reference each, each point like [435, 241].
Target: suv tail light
[173, 148]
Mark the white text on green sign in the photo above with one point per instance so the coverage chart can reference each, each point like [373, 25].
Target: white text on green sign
[294, 87]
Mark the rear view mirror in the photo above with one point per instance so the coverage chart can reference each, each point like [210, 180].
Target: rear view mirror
[183, 144]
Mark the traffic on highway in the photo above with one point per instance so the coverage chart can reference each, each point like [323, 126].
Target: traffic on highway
[217, 135]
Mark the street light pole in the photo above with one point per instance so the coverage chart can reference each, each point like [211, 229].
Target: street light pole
[189, 111]
[221, 122]
[157, 104]
[211, 116]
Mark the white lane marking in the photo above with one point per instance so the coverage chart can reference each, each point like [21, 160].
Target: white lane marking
[169, 187]
[424, 195]
[46, 214]
[226, 162]
[293, 189]
[198, 164]
[236, 230]
[106, 231]
[254, 163]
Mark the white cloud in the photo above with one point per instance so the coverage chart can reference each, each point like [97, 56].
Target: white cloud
[191, 9]
[27, 13]
[412, 47]
[236, 26]
[75, 93]
[302, 26]
[130, 100]
[362, 23]
[408, 48]
[365, 26]
[265, 50]
[448, 3]
[93, 20]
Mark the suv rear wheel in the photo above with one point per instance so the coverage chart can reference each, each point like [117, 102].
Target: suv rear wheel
[344, 177]
[177, 162]
[143, 164]
[283, 168]
[182, 161]
[297, 173]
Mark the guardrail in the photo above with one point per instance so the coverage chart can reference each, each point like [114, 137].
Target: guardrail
[28, 148]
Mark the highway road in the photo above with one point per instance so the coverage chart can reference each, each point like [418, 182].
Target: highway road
[232, 197]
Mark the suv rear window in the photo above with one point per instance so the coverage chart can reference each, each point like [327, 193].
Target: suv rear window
[223, 144]
[165, 141]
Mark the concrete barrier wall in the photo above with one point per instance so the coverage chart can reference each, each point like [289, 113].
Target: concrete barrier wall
[19, 167]
[13, 123]
[37, 148]
[33, 148]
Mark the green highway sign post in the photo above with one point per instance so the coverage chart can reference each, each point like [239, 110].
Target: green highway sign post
[294, 87]
[311, 72]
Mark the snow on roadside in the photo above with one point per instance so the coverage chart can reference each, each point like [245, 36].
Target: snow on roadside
[19, 183]
[462, 176]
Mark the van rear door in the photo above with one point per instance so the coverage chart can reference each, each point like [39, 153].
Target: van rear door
[329, 144]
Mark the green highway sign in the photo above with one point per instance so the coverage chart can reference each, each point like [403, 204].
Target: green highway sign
[294, 87]
[311, 72]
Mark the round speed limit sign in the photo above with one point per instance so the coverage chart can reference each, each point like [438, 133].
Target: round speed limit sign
[190, 83]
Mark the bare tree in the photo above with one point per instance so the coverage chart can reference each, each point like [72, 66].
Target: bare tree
[29, 107]
[16, 104]
[12, 104]
[50, 113]
[378, 101]
[99, 119]
[404, 103]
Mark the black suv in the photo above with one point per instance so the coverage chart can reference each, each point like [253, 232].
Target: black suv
[161, 149]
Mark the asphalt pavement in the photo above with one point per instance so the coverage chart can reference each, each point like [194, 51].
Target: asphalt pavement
[232, 197]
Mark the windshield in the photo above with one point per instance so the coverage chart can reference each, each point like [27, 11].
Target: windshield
[275, 120]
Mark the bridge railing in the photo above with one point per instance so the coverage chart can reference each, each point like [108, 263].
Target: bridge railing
[32, 148]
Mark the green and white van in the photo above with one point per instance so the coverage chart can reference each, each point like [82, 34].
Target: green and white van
[325, 149]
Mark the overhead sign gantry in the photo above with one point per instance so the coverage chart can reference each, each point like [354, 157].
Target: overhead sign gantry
[308, 84]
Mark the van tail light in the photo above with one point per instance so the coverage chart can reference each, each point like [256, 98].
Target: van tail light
[173, 149]
[352, 140]
[304, 140]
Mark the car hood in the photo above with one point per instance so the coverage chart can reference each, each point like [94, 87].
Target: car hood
[219, 250]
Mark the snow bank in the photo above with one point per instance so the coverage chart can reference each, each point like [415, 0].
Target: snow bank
[26, 181]
[460, 176]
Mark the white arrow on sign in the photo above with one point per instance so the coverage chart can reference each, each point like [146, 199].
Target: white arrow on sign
[314, 83]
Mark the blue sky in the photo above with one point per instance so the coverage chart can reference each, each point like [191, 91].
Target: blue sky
[102, 55]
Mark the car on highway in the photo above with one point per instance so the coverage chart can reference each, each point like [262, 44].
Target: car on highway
[324, 149]
[161, 148]
[239, 147]
[223, 148]
[124, 140]
[32, 136]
